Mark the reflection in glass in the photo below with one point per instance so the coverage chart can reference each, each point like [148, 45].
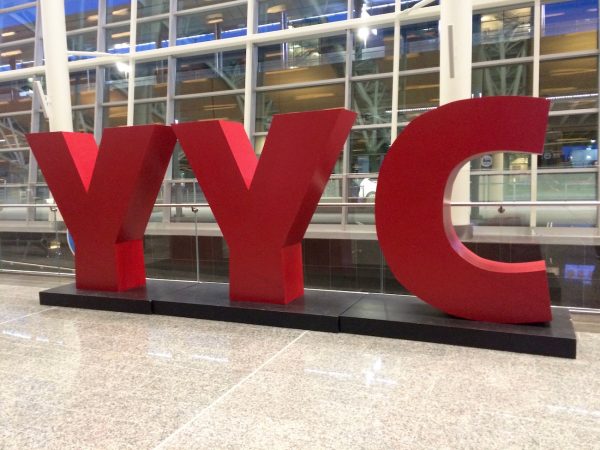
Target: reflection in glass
[569, 26]
[296, 100]
[567, 186]
[115, 116]
[367, 149]
[151, 79]
[211, 73]
[115, 82]
[502, 34]
[151, 35]
[14, 168]
[83, 42]
[571, 83]
[224, 107]
[83, 120]
[302, 61]
[150, 113]
[276, 15]
[417, 94]
[373, 51]
[419, 46]
[83, 87]
[148, 8]
[17, 25]
[372, 100]
[571, 141]
[510, 79]
[211, 25]
[81, 14]
[117, 39]
[187, 4]
[13, 129]
[117, 10]
[18, 57]
[16, 96]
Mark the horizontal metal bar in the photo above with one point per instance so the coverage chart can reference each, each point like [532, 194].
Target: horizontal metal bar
[346, 204]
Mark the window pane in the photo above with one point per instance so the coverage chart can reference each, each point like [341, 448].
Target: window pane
[14, 168]
[373, 51]
[302, 61]
[296, 100]
[187, 4]
[83, 120]
[115, 116]
[81, 14]
[17, 57]
[83, 87]
[510, 79]
[152, 7]
[210, 25]
[569, 26]
[15, 96]
[117, 10]
[367, 149]
[17, 25]
[502, 162]
[417, 94]
[419, 46]
[117, 39]
[149, 113]
[13, 130]
[494, 188]
[571, 141]
[372, 100]
[567, 186]
[210, 73]
[280, 15]
[225, 107]
[151, 79]
[571, 83]
[502, 34]
[151, 35]
[85, 42]
[115, 83]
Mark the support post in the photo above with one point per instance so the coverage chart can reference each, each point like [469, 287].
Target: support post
[456, 44]
[57, 73]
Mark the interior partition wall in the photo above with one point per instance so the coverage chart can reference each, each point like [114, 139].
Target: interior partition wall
[248, 60]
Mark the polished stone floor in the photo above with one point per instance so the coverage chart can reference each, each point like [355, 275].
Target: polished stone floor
[89, 379]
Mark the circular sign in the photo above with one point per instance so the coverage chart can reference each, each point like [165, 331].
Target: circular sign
[486, 161]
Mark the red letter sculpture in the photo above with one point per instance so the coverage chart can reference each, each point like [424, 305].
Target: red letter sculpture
[264, 208]
[106, 197]
[412, 210]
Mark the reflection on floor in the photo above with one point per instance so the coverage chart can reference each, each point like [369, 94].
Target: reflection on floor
[91, 379]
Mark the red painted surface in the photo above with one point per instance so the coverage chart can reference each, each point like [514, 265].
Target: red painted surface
[412, 210]
[106, 196]
[263, 206]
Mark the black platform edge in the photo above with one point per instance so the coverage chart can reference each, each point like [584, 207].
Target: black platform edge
[391, 316]
[407, 317]
[136, 301]
[317, 310]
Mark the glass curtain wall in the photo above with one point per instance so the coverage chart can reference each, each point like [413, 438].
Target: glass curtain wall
[193, 63]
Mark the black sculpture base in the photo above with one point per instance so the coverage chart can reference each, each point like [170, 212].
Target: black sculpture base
[407, 317]
[393, 316]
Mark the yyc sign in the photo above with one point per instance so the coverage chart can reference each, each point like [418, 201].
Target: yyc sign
[263, 206]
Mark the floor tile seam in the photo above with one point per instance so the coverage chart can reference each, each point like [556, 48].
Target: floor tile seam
[27, 315]
[229, 391]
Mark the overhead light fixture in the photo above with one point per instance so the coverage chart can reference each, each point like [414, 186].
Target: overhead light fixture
[219, 107]
[276, 9]
[120, 12]
[314, 96]
[93, 18]
[8, 33]
[120, 35]
[11, 53]
[214, 19]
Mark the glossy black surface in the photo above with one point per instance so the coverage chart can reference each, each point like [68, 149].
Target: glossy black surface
[407, 317]
[317, 310]
[395, 316]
